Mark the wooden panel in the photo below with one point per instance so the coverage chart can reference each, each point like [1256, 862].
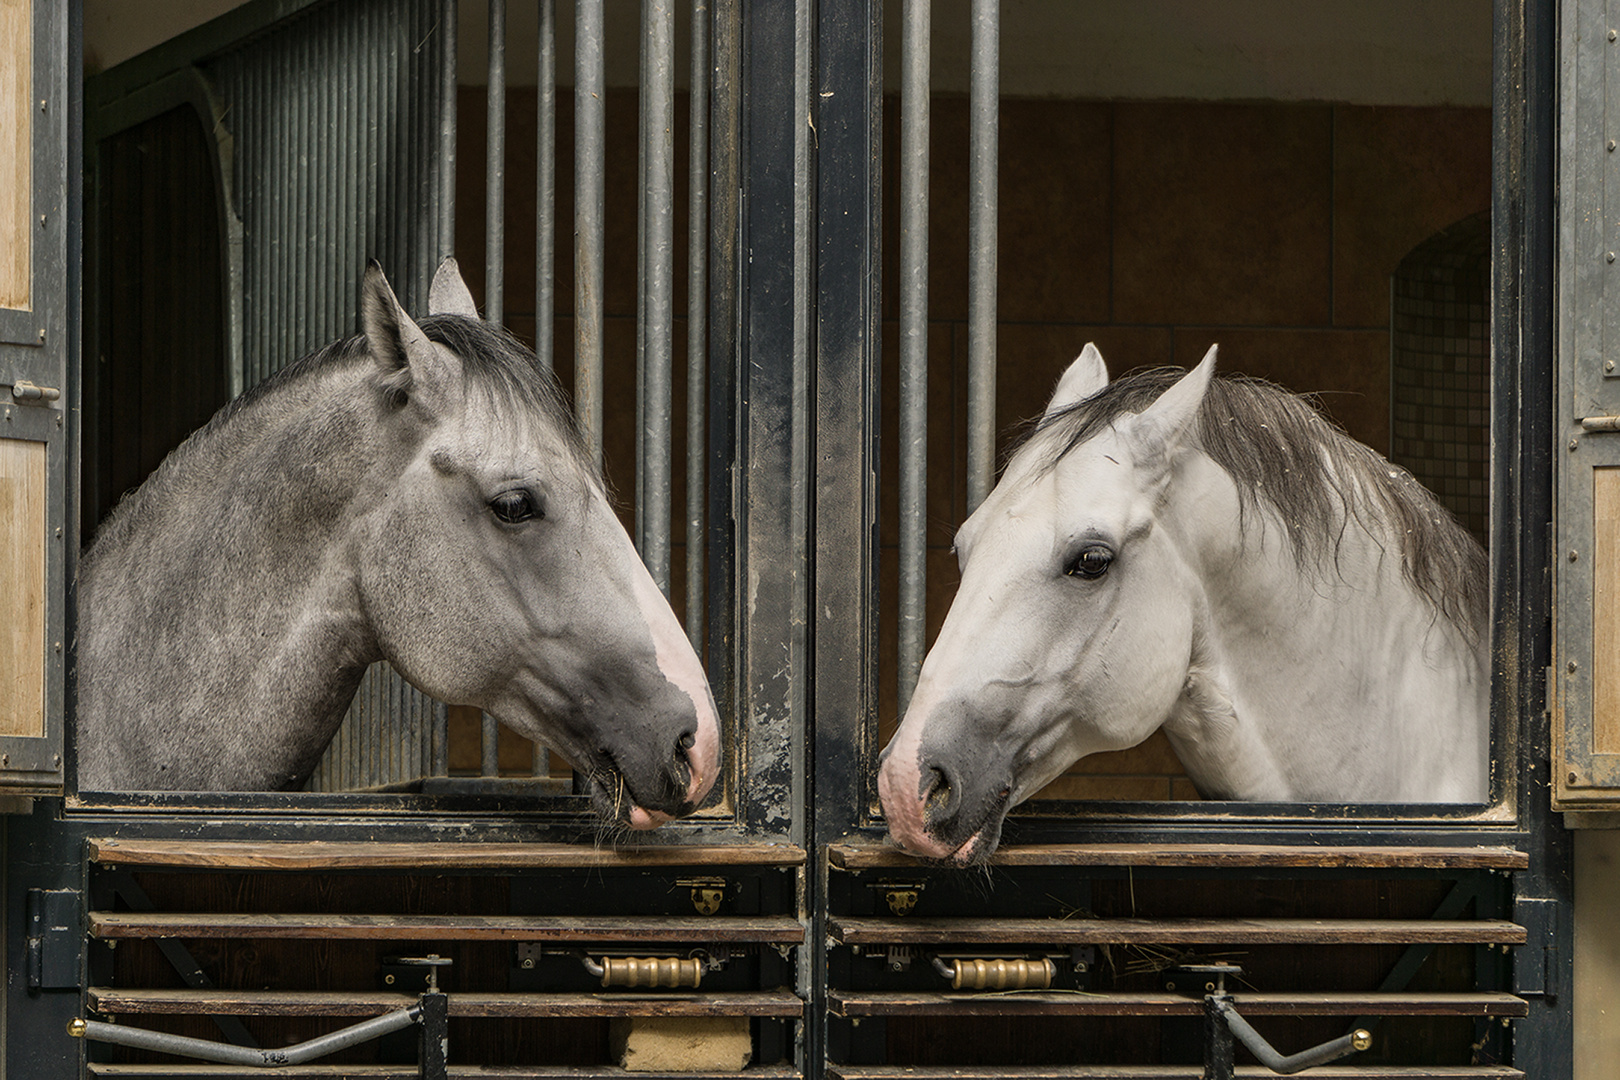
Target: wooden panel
[464, 1072]
[1080, 1003]
[1179, 931]
[1605, 613]
[780, 930]
[16, 152]
[1206, 856]
[22, 585]
[782, 1003]
[1162, 1072]
[426, 858]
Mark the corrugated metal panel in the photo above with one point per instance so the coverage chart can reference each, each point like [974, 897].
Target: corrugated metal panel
[340, 117]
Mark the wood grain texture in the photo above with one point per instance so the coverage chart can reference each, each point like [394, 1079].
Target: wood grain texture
[1079, 1003]
[779, 1003]
[779, 930]
[1164, 1072]
[16, 153]
[1206, 856]
[1227, 931]
[425, 858]
[22, 585]
[1606, 610]
[459, 1072]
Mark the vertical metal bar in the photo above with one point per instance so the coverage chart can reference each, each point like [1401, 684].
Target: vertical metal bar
[447, 127]
[914, 70]
[658, 148]
[984, 101]
[589, 108]
[545, 201]
[490, 746]
[495, 169]
[697, 271]
[725, 336]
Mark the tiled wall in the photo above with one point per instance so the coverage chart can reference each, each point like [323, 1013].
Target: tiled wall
[1151, 228]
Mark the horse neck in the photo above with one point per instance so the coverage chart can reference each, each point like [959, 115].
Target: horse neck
[230, 577]
[1345, 664]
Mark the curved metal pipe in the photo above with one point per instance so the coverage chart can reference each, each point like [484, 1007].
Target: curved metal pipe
[1266, 1054]
[225, 1054]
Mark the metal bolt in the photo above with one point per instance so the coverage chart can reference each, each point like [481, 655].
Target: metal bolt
[42, 219]
[388, 980]
[59, 532]
[1573, 443]
[5, 759]
[42, 335]
[1574, 777]
[1573, 556]
[1572, 667]
[1611, 146]
[1614, 34]
[56, 759]
[58, 646]
[1608, 365]
[528, 963]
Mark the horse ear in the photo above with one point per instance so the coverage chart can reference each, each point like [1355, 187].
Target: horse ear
[397, 344]
[1087, 375]
[449, 294]
[1157, 432]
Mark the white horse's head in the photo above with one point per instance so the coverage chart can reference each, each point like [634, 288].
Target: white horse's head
[498, 574]
[1071, 630]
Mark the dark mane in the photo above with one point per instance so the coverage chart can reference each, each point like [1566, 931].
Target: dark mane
[1284, 454]
[492, 359]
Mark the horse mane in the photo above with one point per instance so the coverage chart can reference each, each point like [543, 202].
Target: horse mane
[491, 358]
[1283, 453]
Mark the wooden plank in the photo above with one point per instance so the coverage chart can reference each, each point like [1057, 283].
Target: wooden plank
[1149, 1003]
[1226, 931]
[1163, 1072]
[767, 1003]
[411, 1072]
[1605, 618]
[22, 583]
[1205, 856]
[16, 153]
[773, 930]
[426, 858]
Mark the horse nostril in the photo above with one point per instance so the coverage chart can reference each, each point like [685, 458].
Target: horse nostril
[686, 740]
[939, 791]
[1004, 794]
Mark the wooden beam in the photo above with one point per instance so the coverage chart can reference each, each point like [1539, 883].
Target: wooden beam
[425, 858]
[1222, 931]
[1083, 1003]
[767, 1003]
[771, 930]
[1205, 857]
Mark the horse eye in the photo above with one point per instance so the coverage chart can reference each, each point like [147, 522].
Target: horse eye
[1092, 562]
[514, 507]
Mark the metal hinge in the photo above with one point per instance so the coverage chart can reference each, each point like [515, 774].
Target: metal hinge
[54, 934]
[26, 393]
[1535, 963]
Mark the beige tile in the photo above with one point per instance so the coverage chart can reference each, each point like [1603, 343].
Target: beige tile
[1400, 175]
[1222, 213]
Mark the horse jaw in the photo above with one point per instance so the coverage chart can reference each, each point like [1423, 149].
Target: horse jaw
[681, 668]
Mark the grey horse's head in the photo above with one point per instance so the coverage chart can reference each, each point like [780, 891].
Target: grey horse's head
[495, 573]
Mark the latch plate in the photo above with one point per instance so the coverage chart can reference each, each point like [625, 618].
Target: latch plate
[54, 930]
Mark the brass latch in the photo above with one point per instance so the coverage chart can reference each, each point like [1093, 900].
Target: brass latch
[707, 893]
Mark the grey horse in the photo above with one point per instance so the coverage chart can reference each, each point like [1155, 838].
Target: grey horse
[420, 494]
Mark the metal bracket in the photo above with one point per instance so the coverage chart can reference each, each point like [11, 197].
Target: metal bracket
[707, 893]
[54, 930]
[900, 896]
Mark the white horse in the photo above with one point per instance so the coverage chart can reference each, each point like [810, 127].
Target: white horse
[1211, 557]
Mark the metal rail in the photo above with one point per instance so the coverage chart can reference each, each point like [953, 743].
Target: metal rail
[914, 119]
[226, 1054]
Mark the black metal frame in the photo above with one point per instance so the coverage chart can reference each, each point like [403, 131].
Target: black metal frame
[794, 348]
